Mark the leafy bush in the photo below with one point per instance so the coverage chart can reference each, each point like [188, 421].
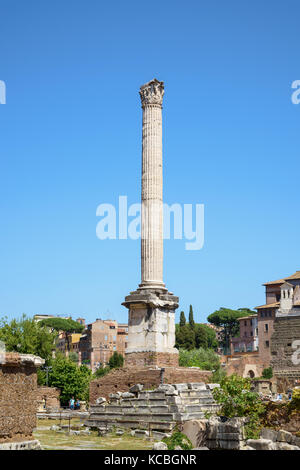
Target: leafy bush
[218, 375]
[295, 401]
[101, 372]
[238, 401]
[178, 439]
[27, 336]
[205, 359]
[73, 356]
[116, 360]
[69, 378]
[267, 373]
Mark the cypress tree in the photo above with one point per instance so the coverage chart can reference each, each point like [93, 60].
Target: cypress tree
[182, 320]
[191, 318]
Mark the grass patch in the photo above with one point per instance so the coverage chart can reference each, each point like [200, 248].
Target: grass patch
[51, 440]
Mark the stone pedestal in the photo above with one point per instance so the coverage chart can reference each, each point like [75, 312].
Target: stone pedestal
[151, 332]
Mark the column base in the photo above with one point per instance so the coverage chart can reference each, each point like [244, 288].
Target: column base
[151, 328]
[149, 358]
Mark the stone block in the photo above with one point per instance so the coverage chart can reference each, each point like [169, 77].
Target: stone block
[128, 395]
[100, 401]
[180, 387]
[140, 433]
[115, 396]
[296, 441]
[285, 446]
[196, 386]
[228, 445]
[195, 430]
[270, 434]
[261, 444]
[212, 386]
[160, 446]
[167, 389]
[284, 436]
[136, 388]
[226, 436]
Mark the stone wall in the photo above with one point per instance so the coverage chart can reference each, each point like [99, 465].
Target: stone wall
[153, 410]
[286, 331]
[122, 379]
[245, 365]
[229, 434]
[215, 434]
[48, 398]
[18, 396]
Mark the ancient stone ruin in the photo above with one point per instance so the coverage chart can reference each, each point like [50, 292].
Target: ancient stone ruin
[229, 434]
[18, 400]
[160, 409]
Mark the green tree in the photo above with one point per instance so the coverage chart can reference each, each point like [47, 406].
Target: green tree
[237, 400]
[73, 356]
[67, 325]
[69, 378]
[185, 337]
[201, 337]
[116, 360]
[227, 319]
[212, 342]
[182, 321]
[191, 318]
[267, 373]
[27, 336]
[101, 371]
[205, 359]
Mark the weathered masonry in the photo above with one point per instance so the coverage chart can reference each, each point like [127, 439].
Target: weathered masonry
[18, 400]
[153, 410]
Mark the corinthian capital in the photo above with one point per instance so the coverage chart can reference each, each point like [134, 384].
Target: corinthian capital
[152, 93]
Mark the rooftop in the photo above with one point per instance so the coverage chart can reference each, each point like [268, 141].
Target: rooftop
[274, 305]
[294, 276]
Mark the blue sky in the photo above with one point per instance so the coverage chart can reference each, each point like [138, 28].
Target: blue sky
[70, 139]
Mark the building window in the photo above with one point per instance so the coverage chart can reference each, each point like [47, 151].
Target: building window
[267, 343]
[105, 338]
[266, 327]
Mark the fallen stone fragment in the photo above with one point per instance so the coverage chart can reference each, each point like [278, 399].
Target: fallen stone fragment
[284, 436]
[261, 444]
[136, 388]
[101, 400]
[270, 434]
[160, 446]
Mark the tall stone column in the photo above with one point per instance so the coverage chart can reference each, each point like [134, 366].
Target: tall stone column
[152, 186]
[151, 318]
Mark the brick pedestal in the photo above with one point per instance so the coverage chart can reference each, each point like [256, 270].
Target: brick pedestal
[120, 380]
[144, 359]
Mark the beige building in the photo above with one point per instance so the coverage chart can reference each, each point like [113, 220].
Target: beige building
[247, 341]
[282, 297]
[100, 340]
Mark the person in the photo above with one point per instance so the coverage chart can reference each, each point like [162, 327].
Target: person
[77, 405]
[72, 403]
